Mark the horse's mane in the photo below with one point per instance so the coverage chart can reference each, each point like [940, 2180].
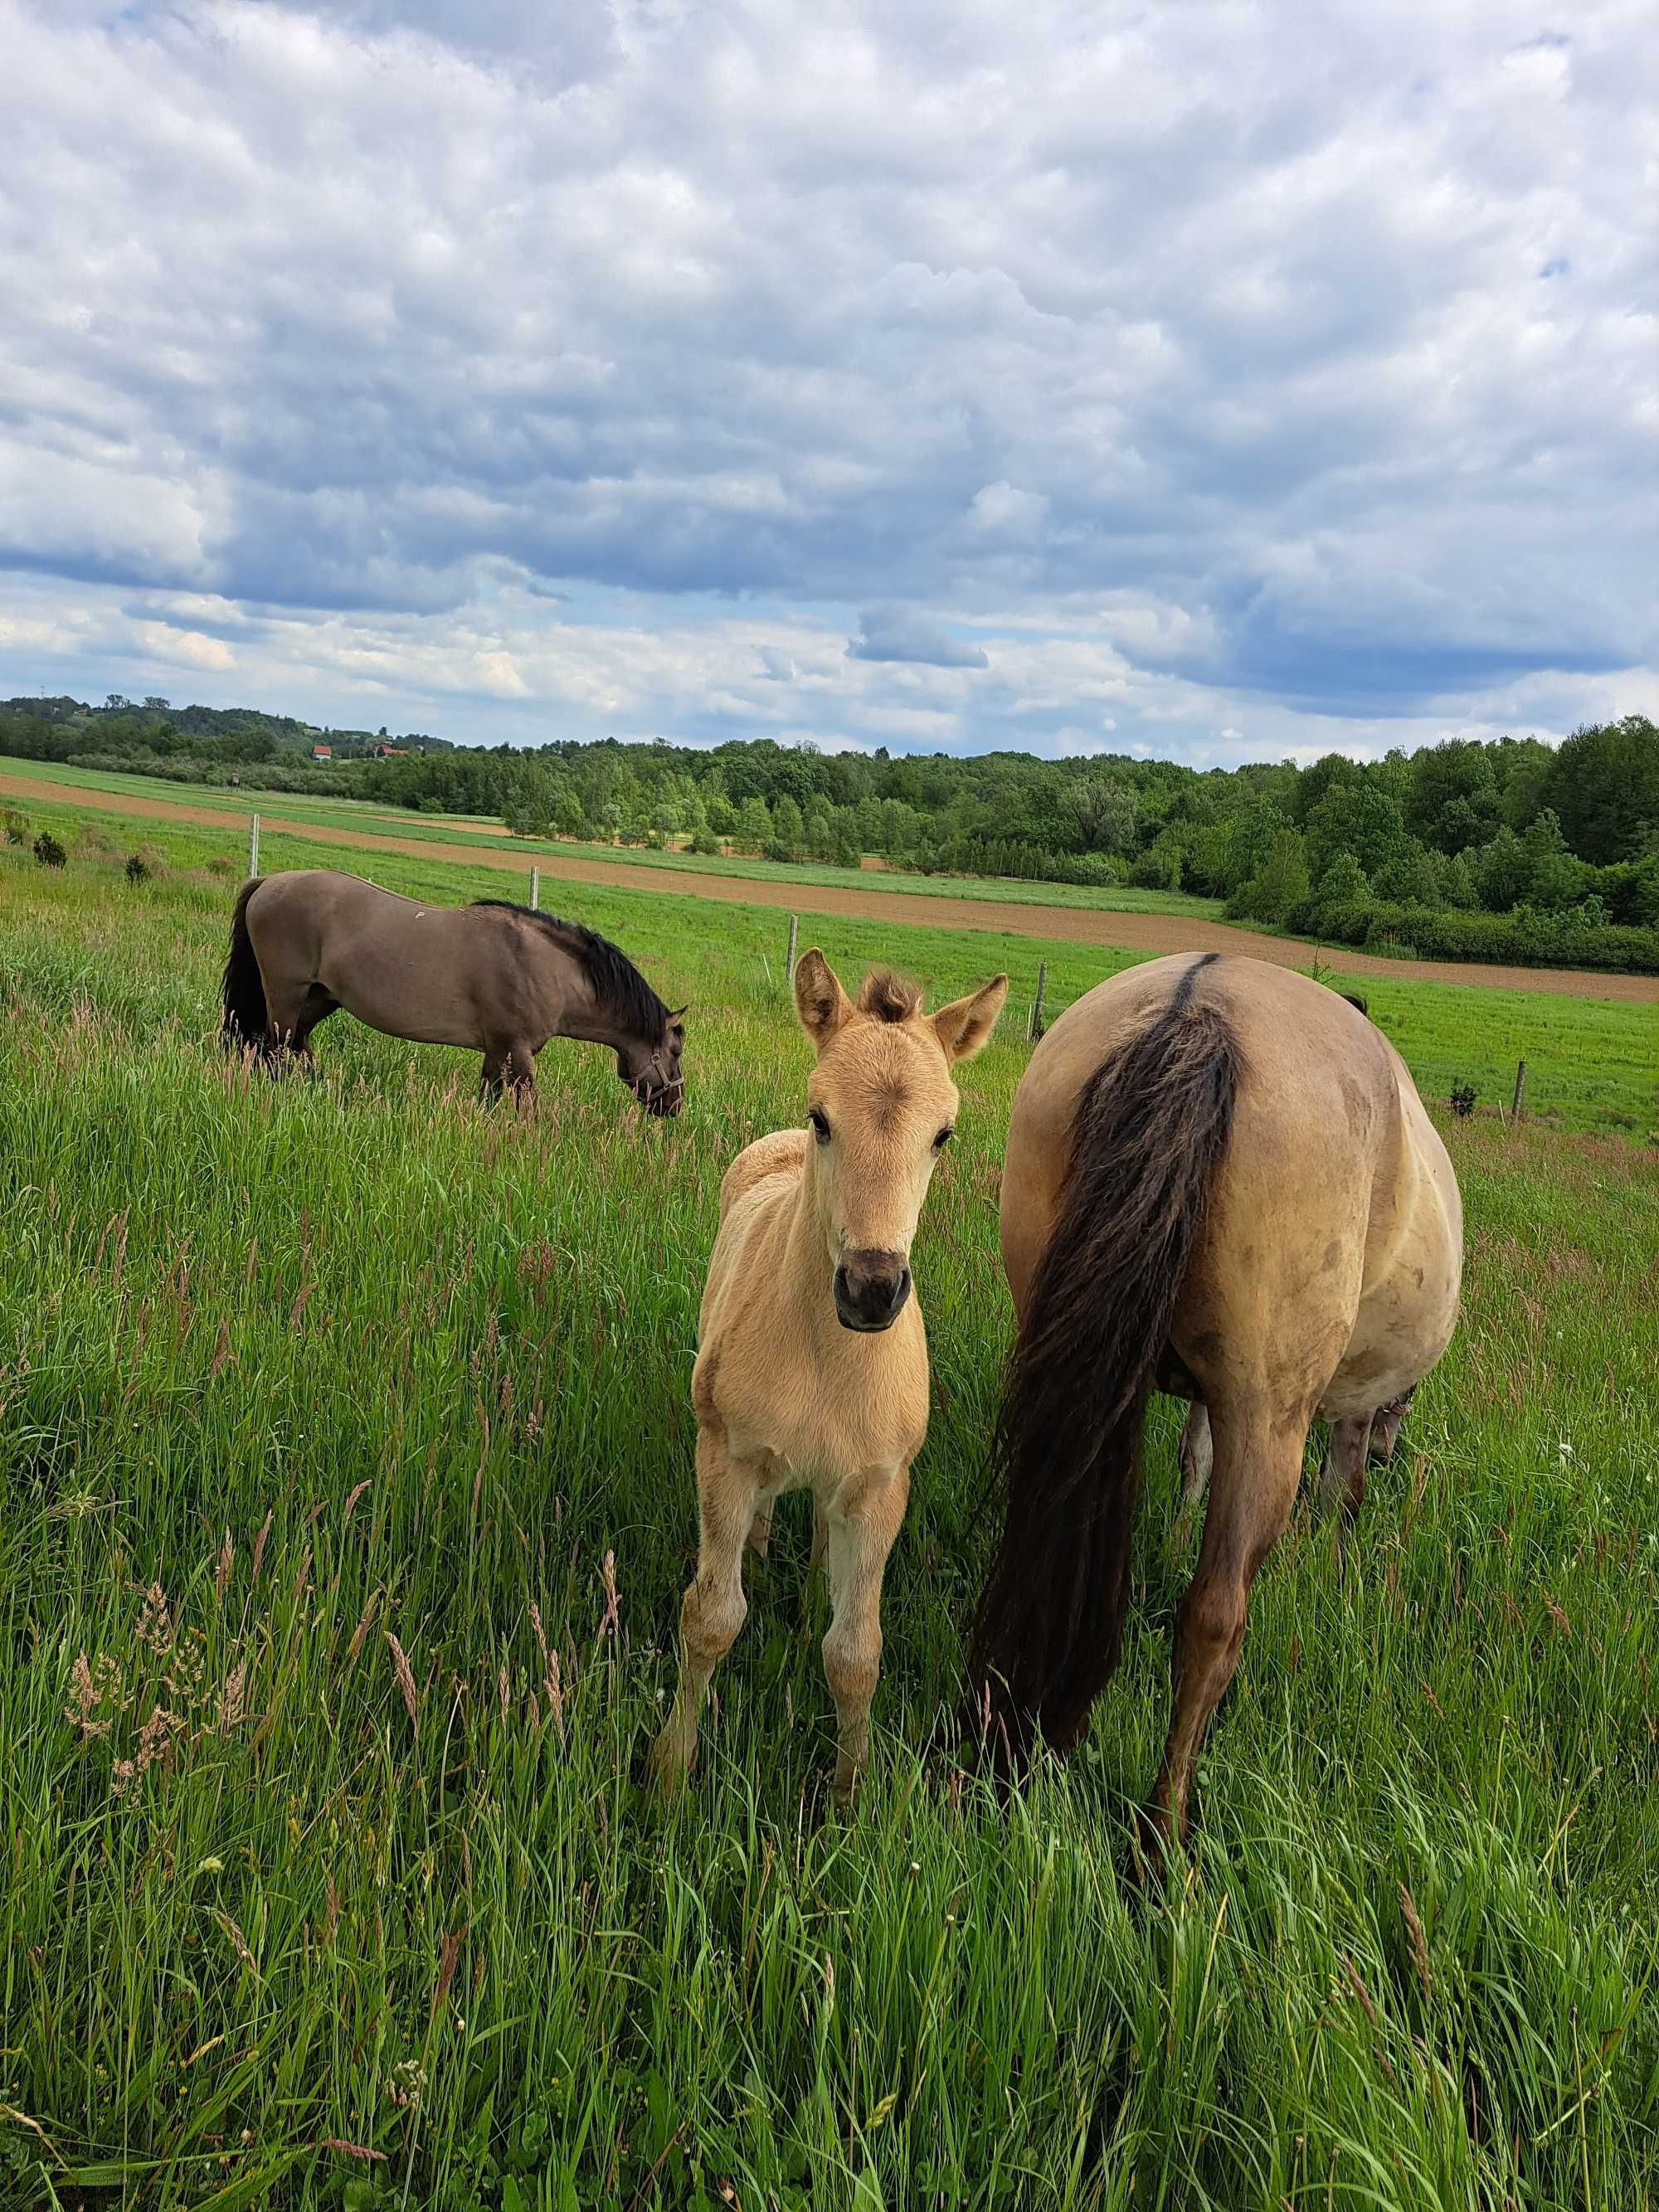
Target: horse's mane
[617, 983]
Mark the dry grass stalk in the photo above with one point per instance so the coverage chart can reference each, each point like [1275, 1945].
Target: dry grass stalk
[1418, 1940]
[405, 1680]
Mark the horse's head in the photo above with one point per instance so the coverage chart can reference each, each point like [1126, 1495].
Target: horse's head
[881, 1106]
[653, 1072]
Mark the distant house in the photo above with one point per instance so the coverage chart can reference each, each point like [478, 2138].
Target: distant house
[322, 752]
[389, 752]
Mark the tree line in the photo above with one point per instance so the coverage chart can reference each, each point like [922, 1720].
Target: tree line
[1506, 850]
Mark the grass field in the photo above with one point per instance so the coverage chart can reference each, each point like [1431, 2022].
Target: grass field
[323, 1406]
[464, 831]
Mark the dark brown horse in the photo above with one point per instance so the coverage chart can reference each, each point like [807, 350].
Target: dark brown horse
[1220, 1182]
[501, 979]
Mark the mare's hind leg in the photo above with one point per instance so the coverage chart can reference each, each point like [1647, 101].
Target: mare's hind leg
[317, 1007]
[1253, 1484]
[1342, 1470]
[1194, 1456]
[859, 1523]
[291, 1016]
[714, 1607]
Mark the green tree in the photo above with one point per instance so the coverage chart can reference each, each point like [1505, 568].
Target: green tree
[1279, 884]
[1360, 818]
[1104, 815]
[788, 830]
[1603, 786]
[1503, 870]
[1344, 883]
[755, 825]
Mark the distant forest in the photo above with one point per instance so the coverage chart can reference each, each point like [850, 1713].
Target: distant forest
[1512, 850]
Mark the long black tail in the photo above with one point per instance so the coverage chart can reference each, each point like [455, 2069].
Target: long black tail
[1151, 1125]
[242, 991]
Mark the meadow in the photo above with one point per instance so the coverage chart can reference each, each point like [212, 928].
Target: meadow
[458, 832]
[345, 1454]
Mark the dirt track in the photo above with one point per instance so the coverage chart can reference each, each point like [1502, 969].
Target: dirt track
[1135, 933]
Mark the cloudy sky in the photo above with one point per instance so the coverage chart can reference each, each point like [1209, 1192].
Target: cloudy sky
[1224, 381]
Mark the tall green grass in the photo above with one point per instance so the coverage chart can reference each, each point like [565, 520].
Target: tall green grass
[332, 1413]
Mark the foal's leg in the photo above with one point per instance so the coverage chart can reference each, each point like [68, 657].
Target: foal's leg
[1257, 1464]
[1194, 1456]
[1342, 1470]
[714, 1607]
[859, 1523]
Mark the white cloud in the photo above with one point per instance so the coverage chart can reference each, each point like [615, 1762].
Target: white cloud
[526, 369]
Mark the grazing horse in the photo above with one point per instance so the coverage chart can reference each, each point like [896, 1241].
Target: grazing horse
[1219, 1181]
[812, 1360]
[501, 979]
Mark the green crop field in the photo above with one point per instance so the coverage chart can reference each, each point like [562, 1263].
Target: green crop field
[345, 1504]
[464, 831]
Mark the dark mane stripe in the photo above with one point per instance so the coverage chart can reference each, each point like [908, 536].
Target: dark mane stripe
[617, 983]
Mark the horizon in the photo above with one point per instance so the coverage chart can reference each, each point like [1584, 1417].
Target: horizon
[806, 743]
[1178, 389]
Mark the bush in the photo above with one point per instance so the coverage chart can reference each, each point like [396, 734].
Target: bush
[137, 870]
[1525, 939]
[47, 850]
[705, 841]
[17, 827]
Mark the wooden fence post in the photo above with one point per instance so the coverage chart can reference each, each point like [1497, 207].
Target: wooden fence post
[253, 845]
[535, 889]
[1034, 1027]
[789, 956]
[1519, 1091]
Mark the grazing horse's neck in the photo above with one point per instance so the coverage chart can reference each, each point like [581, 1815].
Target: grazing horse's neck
[587, 1017]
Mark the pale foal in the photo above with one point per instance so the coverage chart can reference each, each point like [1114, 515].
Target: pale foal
[811, 1366]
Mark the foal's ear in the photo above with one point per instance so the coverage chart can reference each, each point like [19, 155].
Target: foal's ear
[821, 1003]
[966, 1024]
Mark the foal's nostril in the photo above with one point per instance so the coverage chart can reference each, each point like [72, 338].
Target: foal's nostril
[871, 1289]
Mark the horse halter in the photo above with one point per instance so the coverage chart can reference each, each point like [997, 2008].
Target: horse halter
[666, 1085]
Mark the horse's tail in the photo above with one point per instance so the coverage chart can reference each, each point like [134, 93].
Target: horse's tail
[242, 992]
[1151, 1125]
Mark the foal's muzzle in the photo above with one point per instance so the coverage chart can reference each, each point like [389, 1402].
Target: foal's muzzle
[871, 1289]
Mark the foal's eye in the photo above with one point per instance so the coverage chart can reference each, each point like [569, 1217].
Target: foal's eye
[819, 1127]
[943, 1140]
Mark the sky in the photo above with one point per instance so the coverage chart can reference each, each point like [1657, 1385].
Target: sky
[1218, 382]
